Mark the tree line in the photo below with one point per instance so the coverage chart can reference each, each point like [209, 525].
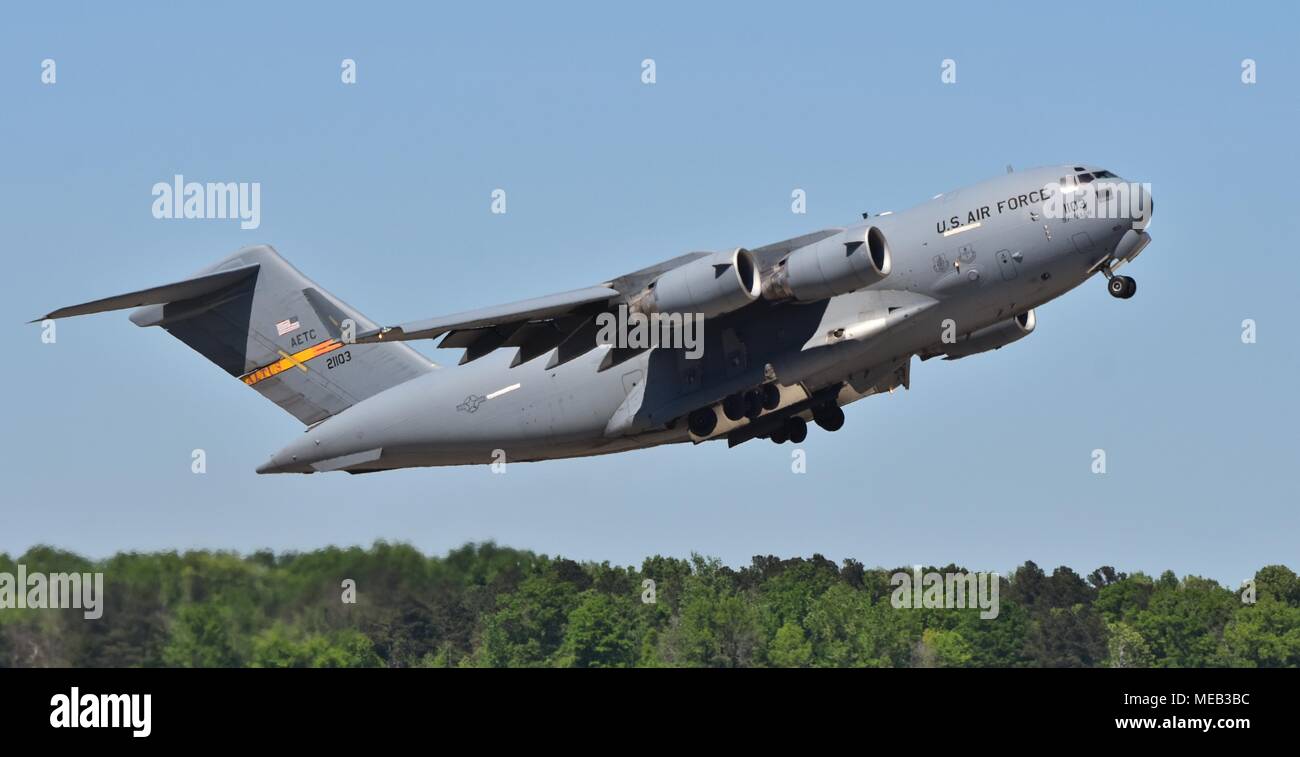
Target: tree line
[484, 605]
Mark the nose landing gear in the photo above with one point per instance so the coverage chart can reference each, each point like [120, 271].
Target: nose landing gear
[1122, 287]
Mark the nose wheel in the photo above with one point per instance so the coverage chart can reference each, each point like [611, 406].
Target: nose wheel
[1122, 287]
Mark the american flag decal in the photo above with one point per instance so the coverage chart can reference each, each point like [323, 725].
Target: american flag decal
[286, 326]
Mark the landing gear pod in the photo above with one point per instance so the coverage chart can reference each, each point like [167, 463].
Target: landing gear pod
[992, 337]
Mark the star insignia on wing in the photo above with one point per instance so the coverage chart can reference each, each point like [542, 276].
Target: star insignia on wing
[471, 403]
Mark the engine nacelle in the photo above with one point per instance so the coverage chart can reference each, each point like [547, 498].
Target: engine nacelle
[838, 264]
[992, 337]
[709, 286]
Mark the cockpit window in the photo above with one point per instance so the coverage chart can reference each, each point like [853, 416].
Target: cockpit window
[1084, 178]
[1105, 175]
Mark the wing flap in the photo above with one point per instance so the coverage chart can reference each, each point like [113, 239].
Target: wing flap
[536, 309]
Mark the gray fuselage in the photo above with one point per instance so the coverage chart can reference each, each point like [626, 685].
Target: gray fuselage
[964, 261]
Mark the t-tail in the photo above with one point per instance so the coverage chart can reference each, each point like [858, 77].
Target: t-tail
[265, 323]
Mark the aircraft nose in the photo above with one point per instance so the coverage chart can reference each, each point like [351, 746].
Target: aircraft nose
[1146, 206]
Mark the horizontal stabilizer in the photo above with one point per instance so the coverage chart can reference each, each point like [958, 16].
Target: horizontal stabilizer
[180, 290]
[262, 321]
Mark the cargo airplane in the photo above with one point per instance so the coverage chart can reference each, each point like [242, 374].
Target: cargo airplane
[792, 332]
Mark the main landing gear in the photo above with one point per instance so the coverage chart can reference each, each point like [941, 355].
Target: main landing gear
[794, 430]
[1122, 287]
[829, 416]
[752, 403]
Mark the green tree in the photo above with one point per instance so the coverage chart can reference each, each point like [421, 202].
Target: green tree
[996, 642]
[790, 588]
[1184, 621]
[847, 629]
[203, 636]
[280, 647]
[1278, 582]
[528, 626]
[1264, 635]
[716, 626]
[1125, 647]
[938, 648]
[602, 633]
[482, 604]
[1124, 599]
[790, 648]
[1067, 638]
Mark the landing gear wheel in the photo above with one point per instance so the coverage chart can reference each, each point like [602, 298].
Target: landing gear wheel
[797, 429]
[779, 436]
[702, 422]
[734, 407]
[753, 404]
[1122, 287]
[829, 417]
[771, 396]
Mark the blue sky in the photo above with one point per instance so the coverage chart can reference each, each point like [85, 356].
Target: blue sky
[381, 190]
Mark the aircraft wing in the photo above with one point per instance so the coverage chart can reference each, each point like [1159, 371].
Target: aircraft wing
[566, 321]
[535, 309]
[769, 254]
[535, 326]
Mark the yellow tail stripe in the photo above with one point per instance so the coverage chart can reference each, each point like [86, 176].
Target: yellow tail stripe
[289, 361]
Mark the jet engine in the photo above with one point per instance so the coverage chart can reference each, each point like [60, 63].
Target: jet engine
[990, 337]
[838, 264]
[710, 286]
